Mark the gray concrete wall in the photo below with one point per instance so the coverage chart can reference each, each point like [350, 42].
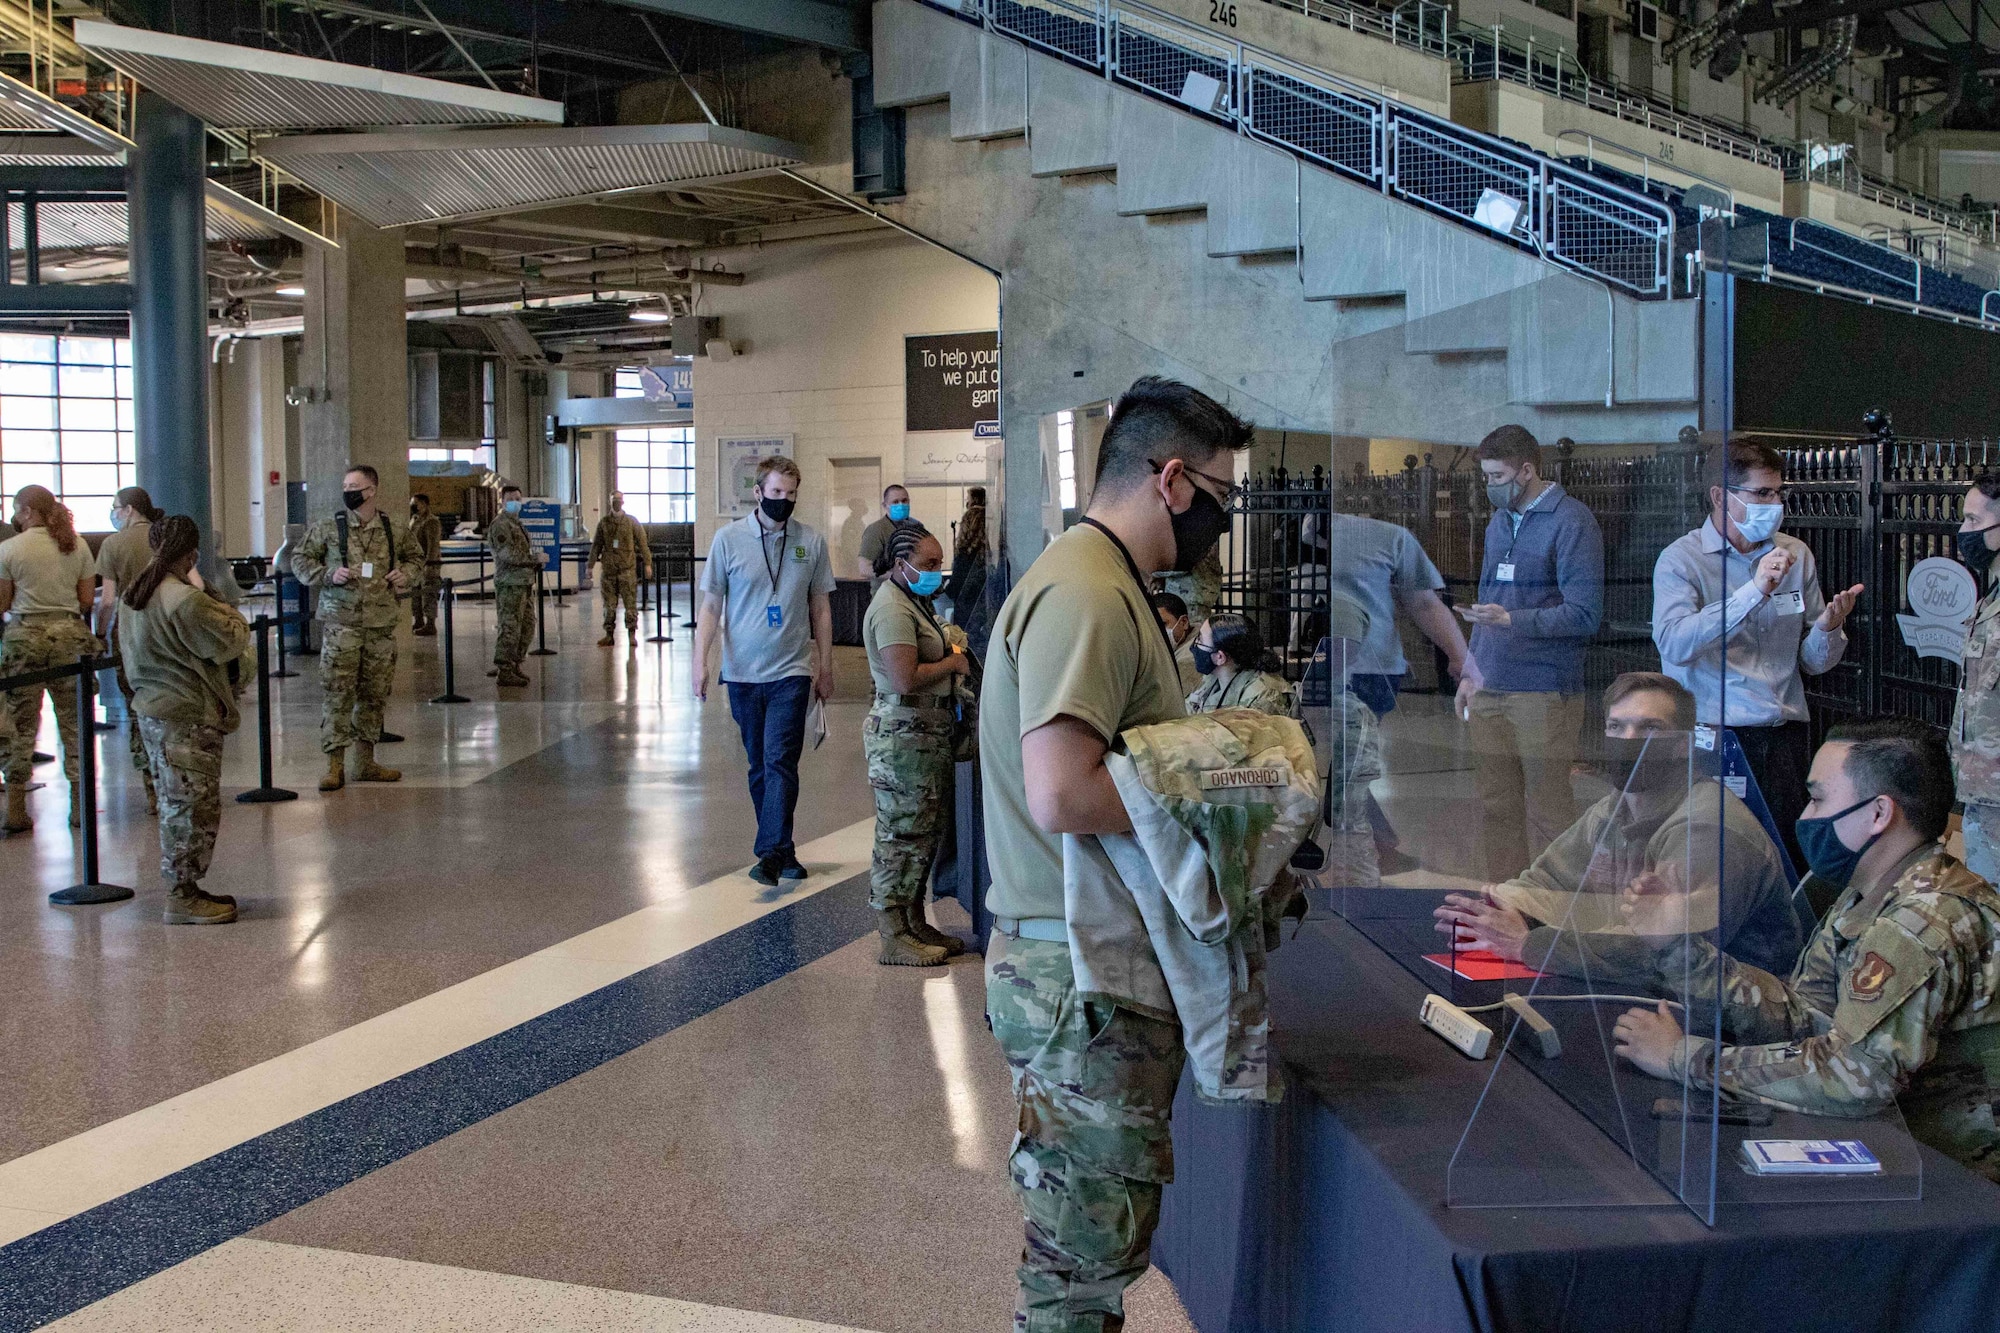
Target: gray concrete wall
[1133, 238]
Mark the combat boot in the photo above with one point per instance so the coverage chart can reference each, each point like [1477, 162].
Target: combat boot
[512, 677]
[336, 770]
[899, 947]
[931, 935]
[17, 809]
[367, 770]
[608, 639]
[187, 905]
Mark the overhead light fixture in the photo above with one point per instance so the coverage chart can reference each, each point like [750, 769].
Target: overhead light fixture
[651, 317]
[291, 291]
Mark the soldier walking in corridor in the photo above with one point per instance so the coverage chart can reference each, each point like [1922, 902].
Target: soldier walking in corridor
[427, 533]
[360, 564]
[515, 562]
[619, 544]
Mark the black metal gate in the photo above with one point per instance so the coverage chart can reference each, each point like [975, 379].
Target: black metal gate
[1868, 508]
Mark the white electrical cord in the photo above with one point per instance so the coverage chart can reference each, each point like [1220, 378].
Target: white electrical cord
[1545, 999]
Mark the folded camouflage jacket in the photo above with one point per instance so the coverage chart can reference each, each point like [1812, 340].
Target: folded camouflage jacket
[1174, 919]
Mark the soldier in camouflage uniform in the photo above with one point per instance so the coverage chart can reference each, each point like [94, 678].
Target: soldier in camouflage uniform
[515, 561]
[360, 564]
[177, 640]
[908, 741]
[1199, 589]
[47, 582]
[620, 544]
[1236, 669]
[1975, 727]
[427, 535]
[1894, 1000]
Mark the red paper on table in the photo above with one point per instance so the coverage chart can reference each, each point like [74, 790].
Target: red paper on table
[1481, 965]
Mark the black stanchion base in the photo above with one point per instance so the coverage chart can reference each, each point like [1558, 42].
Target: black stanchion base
[541, 652]
[388, 738]
[82, 895]
[660, 638]
[104, 726]
[40, 758]
[266, 796]
[451, 699]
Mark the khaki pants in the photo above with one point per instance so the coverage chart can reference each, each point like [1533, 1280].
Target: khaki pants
[1523, 743]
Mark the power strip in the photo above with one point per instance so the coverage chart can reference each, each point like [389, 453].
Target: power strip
[1461, 1029]
[1547, 1040]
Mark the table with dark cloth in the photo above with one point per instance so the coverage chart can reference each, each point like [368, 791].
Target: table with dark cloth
[1328, 1212]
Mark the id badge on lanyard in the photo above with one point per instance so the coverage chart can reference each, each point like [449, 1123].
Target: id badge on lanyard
[774, 614]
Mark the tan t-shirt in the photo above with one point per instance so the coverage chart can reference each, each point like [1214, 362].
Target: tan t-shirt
[44, 578]
[894, 617]
[124, 554]
[1076, 637]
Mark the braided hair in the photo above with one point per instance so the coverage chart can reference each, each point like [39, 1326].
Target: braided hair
[173, 540]
[55, 515]
[904, 538]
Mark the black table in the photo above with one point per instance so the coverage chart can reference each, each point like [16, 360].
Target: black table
[1328, 1212]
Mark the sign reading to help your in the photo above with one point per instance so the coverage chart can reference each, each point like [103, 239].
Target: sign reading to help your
[1942, 596]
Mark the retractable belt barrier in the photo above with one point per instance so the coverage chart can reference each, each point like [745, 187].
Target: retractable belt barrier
[451, 694]
[266, 790]
[90, 889]
[542, 648]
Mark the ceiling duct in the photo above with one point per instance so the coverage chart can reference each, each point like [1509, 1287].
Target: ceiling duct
[242, 87]
[395, 179]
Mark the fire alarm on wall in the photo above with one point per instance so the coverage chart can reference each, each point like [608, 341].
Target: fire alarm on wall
[277, 480]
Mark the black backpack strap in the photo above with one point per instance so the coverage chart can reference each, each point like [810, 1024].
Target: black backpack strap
[389, 536]
[340, 523]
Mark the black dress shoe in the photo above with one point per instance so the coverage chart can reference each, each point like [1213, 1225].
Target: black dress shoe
[790, 868]
[766, 871]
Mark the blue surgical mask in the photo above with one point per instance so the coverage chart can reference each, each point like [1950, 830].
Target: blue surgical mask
[1826, 855]
[899, 512]
[1759, 522]
[923, 582]
[118, 520]
[513, 506]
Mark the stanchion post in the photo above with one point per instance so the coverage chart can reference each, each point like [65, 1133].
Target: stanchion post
[660, 620]
[541, 618]
[283, 672]
[91, 890]
[693, 599]
[451, 694]
[266, 791]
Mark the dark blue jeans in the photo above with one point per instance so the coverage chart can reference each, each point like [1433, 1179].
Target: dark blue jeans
[772, 717]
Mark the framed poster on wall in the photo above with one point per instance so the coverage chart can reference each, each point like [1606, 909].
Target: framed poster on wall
[951, 405]
[736, 459]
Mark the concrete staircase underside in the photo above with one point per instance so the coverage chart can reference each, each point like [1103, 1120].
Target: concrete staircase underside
[1362, 270]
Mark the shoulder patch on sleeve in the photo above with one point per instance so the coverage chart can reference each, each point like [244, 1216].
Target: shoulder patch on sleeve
[1870, 976]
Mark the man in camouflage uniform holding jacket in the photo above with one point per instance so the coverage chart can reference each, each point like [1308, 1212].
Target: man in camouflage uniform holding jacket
[360, 564]
[515, 561]
[619, 544]
[1894, 998]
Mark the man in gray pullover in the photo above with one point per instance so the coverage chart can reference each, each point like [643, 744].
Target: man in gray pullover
[1541, 596]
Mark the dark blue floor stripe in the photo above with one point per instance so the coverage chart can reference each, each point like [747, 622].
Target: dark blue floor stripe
[88, 1257]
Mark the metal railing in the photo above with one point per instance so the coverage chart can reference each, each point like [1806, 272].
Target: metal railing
[1563, 214]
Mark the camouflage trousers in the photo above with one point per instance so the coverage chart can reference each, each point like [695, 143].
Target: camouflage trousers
[1092, 1149]
[910, 768]
[135, 740]
[356, 668]
[514, 621]
[615, 586]
[37, 644]
[1981, 827]
[424, 593]
[187, 770]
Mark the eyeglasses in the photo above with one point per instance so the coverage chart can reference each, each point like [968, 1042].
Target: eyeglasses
[1231, 492]
[1763, 495]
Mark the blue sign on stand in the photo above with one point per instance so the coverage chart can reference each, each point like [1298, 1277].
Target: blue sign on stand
[543, 521]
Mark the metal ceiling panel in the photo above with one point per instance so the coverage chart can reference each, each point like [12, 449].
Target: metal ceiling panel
[398, 179]
[242, 87]
[105, 224]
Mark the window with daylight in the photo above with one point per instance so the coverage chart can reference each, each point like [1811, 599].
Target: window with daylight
[655, 464]
[66, 420]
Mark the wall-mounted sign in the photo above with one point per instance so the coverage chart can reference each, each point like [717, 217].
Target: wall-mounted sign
[736, 458]
[1942, 597]
[542, 520]
[668, 384]
[951, 381]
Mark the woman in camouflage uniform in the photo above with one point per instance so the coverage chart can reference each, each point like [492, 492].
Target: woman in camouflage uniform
[47, 585]
[907, 739]
[1238, 671]
[1975, 729]
[177, 640]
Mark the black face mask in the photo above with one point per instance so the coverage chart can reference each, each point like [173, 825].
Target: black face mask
[353, 499]
[1972, 549]
[778, 511]
[1639, 763]
[1197, 528]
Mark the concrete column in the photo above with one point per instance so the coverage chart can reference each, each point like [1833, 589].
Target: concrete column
[170, 369]
[355, 360]
[265, 402]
